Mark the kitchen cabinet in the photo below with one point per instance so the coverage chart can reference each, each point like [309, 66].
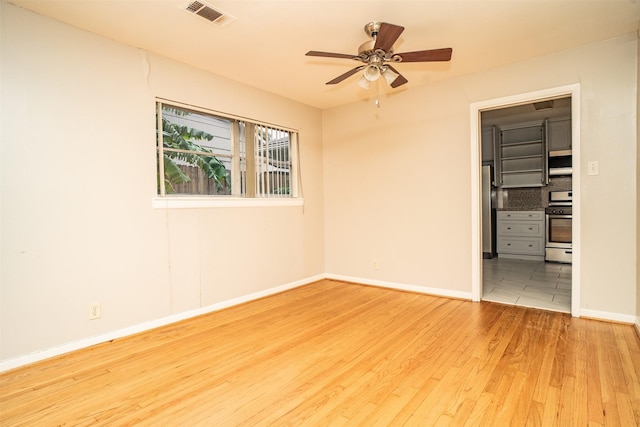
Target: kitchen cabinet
[520, 235]
[520, 153]
[487, 144]
[559, 134]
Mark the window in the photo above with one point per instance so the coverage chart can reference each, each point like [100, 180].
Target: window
[205, 154]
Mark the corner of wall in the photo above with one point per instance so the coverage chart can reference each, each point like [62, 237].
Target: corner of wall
[637, 183]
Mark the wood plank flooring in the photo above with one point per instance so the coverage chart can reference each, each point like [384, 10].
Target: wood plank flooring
[332, 353]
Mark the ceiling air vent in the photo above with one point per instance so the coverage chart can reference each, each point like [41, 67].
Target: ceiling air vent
[209, 13]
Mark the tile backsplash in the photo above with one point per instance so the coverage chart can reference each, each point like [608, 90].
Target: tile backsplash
[531, 198]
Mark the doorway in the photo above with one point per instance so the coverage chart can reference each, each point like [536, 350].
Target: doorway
[508, 269]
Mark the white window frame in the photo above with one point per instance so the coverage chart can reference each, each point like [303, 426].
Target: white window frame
[173, 201]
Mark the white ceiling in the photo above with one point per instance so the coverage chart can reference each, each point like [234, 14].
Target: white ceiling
[265, 46]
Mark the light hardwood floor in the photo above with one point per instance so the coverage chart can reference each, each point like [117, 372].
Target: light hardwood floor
[332, 353]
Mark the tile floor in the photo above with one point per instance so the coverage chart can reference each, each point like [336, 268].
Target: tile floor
[536, 284]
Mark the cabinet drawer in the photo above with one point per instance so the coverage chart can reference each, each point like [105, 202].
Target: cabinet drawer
[511, 245]
[521, 215]
[521, 228]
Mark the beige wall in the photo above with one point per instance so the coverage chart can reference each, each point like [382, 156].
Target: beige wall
[389, 184]
[397, 189]
[638, 192]
[78, 180]
[397, 178]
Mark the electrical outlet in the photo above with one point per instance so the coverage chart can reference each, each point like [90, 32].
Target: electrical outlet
[94, 311]
[375, 265]
[593, 168]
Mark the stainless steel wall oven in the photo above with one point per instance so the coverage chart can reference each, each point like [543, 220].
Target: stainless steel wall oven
[558, 244]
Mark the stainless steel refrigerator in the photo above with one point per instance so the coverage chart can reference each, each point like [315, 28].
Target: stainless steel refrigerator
[488, 214]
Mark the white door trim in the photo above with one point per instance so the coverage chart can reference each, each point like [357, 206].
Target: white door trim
[476, 182]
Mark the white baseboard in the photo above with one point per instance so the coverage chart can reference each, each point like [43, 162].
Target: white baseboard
[593, 314]
[613, 317]
[402, 286]
[87, 342]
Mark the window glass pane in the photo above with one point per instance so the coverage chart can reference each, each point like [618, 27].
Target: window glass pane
[196, 152]
[194, 177]
[242, 152]
[272, 161]
[201, 153]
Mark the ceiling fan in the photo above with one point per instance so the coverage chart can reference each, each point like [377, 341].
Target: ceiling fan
[377, 53]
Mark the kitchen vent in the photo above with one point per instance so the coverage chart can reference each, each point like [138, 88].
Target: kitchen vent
[543, 105]
[211, 14]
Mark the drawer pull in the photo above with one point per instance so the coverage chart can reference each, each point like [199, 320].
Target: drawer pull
[508, 228]
[530, 246]
[530, 228]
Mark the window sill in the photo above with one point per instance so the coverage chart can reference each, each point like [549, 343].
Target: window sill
[222, 202]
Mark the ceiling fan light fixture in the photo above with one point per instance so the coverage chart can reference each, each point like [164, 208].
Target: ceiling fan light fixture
[372, 73]
[376, 53]
[364, 83]
[389, 75]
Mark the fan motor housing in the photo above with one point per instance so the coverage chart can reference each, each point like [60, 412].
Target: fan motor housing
[372, 29]
[366, 48]
[366, 53]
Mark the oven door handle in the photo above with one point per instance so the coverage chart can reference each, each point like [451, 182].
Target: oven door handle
[559, 216]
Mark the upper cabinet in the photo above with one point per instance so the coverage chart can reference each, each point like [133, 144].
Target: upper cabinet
[520, 153]
[559, 134]
[487, 143]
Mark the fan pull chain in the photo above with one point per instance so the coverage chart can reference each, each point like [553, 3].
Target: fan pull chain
[378, 92]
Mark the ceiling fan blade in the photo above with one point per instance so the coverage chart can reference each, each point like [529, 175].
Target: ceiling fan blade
[330, 55]
[387, 36]
[345, 75]
[400, 80]
[426, 55]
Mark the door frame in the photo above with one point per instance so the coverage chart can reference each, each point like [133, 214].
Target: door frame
[476, 109]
